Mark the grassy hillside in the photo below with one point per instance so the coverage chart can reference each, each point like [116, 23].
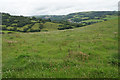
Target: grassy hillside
[21, 23]
[81, 16]
[86, 52]
[15, 24]
[49, 26]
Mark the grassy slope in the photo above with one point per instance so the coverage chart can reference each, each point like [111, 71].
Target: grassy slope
[50, 26]
[36, 26]
[110, 17]
[63, 53]
[92, 20]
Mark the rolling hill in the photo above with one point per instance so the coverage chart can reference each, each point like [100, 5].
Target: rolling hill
[85, 52]
[81, 16]
[11, 24]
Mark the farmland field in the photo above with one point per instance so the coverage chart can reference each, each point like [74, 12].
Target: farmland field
[85, 52]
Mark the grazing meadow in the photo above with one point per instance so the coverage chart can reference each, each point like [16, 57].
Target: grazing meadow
[84, 52]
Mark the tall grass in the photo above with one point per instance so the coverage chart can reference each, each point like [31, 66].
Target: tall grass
[87, 52]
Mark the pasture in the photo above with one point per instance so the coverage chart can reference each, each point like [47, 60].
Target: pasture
[85, 52]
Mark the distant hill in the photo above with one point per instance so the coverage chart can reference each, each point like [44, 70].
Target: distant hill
[12, 23]
[54, 22]
[80, 16]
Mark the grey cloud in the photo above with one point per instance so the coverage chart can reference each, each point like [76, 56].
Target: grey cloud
[55, 7]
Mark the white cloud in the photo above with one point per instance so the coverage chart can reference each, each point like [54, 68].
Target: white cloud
[55, 7]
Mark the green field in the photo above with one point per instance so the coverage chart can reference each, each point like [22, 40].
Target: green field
[86, 52]
[93, 20]
[108, 17]
[49, 26]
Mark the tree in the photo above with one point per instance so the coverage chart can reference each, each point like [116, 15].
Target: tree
[41, 26]
[33, 18]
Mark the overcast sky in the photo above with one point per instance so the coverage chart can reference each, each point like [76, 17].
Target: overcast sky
[55, 7]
